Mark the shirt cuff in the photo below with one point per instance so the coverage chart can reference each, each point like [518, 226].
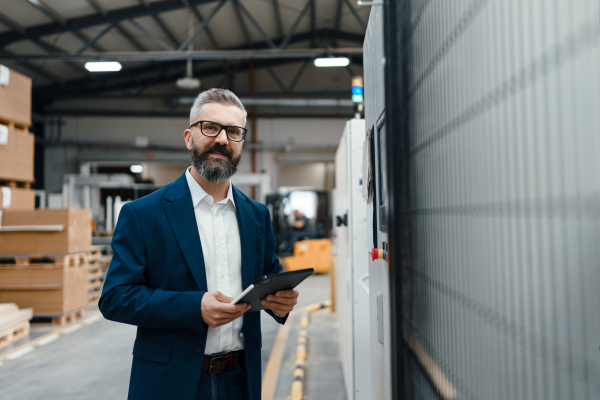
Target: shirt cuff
[280, 316]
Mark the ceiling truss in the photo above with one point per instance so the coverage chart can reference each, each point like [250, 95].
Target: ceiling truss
[162, 66]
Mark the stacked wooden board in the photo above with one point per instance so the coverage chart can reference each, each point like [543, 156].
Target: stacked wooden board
[16, 142]
[44, 254]
[95, 275]
[14, 323]
[45, 261]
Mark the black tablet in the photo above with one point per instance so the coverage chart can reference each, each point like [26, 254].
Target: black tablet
[269, 284]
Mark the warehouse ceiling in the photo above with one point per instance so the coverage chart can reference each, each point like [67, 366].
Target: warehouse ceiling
[261, 49]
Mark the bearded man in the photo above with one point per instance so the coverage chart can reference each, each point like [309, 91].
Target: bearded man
[181, 254]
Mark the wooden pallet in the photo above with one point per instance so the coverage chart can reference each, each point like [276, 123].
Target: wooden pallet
[14, 334]
[95, 294]
[96, 279]
[14, 323]
[95, 255]
[60, 319]
[15, 184]
[44, 260]
[94, 267]
[13, 125]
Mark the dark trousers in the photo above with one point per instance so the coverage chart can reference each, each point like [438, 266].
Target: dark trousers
[230, 385]
[294, 237]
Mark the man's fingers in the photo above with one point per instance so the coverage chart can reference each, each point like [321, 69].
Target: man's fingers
[222, 298]
[276, 307]
[216, 310]
[279, 311]
[281, 300]
[286, 293]
[231, 308]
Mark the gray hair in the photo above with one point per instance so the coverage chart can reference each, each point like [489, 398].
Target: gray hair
[216, 95]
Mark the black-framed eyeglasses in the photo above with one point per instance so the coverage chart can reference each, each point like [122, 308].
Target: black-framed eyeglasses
[213, 129]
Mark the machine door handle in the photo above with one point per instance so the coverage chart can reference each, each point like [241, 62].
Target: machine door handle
[363, 284]
[339, 220]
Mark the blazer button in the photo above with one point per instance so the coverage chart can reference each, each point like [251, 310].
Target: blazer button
[198, 349]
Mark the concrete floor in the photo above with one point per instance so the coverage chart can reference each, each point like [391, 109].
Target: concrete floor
[91, 358]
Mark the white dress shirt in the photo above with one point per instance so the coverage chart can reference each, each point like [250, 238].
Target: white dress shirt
[222, 251]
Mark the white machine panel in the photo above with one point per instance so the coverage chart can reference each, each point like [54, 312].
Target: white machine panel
[351, 263]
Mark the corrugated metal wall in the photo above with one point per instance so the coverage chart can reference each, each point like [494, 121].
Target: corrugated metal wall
[502, 285]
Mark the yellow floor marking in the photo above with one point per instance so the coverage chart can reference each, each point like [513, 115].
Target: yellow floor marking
[437, 377]
[269, 382]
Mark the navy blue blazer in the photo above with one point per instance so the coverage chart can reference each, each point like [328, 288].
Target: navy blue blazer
[156, 281]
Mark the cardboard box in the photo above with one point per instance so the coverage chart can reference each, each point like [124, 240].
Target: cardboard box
[48, 289]
[46, 231]
[15, 98]
[16, 153]
[12, 198]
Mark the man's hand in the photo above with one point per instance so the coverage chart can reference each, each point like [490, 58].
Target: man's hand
[281, 302]
[216, 310]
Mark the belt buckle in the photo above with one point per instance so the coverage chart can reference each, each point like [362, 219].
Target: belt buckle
[211, 366]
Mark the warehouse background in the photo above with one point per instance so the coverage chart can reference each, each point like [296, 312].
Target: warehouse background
[458, 218]
[100, 139]
[79, 115]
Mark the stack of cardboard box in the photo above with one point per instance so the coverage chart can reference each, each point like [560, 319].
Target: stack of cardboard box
[43, 253]
[16, 143]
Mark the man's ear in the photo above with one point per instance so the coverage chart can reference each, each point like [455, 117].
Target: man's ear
[187, 137]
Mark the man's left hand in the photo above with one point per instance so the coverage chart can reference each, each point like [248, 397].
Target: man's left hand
[281, 302]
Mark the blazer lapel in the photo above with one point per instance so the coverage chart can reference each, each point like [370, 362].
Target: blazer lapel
[180, 212]
[247, 227]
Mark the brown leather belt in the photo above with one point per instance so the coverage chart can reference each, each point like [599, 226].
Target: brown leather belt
[224, 363]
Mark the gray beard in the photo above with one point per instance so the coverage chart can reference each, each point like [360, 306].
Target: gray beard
[214, 170]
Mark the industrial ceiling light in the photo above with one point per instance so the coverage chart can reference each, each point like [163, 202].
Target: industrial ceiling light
[189, 82]
[332, 62]
[103, 66]
[136, 169]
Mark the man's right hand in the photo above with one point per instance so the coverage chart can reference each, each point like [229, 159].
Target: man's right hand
[216, 310]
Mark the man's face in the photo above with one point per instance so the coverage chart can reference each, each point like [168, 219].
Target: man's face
[215, 158]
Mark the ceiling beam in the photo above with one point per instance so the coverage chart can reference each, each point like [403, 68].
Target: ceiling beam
[160, 22]
[278, 17]
[338, 17]
[276, 79]
[39, 70]
[56, 17]
[274, 94]
[95, 19]
[298, 75]
[290, 33]
[99, 8]
[254, 22]
[313, 20]
[93, 41]
[194, 55]
[200, 19]
[164, 76]
[240, 19]
[41, 43]
[343, 114]
[151, 35]
[356, 16]
[81, 84]
[202, 26]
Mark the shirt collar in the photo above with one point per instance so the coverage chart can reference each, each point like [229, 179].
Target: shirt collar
[199, 194]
